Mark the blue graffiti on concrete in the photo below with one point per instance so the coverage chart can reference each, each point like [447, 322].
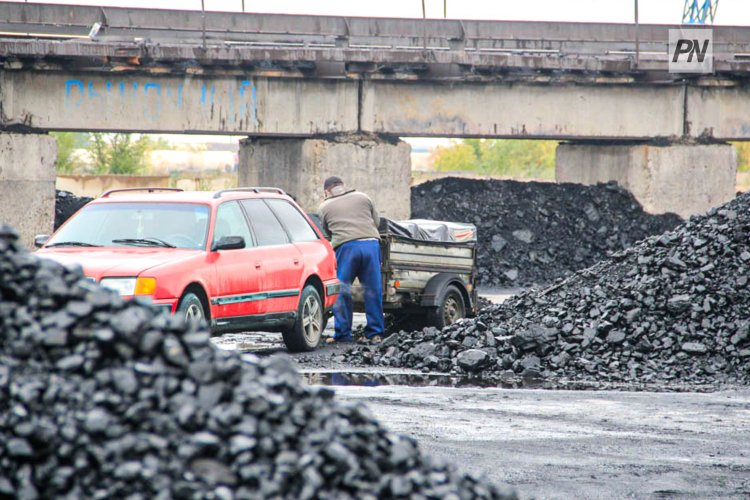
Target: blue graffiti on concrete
[68, 88]
[152, 113]
[253, 100]
[150, 99]
[91, 91]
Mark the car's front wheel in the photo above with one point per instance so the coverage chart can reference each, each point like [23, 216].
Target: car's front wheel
[308, 326]
[191, 308]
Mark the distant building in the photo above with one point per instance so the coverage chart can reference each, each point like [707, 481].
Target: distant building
[421, 158]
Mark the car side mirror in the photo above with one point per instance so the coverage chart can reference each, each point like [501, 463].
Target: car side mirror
[229, 243]
[40, 240]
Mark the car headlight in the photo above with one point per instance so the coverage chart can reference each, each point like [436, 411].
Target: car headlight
[130, 286]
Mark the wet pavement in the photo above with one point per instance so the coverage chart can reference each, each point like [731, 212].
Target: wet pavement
[254, 342]
[581, 443]
[404, 378]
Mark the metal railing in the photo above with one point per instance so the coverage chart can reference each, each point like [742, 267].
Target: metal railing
[300, 37]
[175, 26]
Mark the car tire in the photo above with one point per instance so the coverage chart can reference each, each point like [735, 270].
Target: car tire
[309, 323]
[191, 309]
[451, 308]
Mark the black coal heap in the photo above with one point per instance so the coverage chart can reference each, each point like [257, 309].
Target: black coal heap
[66, 204]
[102, 398]
[673, 309]
[531, 233]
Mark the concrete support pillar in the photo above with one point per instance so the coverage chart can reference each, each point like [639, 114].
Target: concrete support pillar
[27, 183]
[680, 178]
[371, 164]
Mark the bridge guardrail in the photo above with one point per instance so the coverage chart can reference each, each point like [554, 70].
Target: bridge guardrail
[298, 30]
[466, 41]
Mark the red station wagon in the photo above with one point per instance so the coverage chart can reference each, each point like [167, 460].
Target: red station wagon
[242, 259]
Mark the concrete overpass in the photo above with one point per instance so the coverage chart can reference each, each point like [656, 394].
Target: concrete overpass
[309, 84]
[35, 100]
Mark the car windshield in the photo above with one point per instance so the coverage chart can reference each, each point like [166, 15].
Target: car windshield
[167, 225]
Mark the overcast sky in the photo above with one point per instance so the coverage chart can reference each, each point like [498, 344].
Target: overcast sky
[730, 12]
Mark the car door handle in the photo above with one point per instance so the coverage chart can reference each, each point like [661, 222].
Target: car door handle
[296, 262]
[258, 265]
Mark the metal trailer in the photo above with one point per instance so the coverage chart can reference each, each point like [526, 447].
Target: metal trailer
[432, 282]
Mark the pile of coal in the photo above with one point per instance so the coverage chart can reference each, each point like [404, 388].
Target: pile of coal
[531, 233]
[66, 204]
[674, 309]
[103, 398]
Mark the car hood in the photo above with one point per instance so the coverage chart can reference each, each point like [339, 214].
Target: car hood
[116, 261]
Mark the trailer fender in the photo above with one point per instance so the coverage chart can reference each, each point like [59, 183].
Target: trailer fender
[433, 292]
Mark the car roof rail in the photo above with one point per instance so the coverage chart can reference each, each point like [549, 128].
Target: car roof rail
[250, 190]
[147, 189]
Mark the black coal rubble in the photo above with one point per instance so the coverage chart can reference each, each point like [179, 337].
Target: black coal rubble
[532, 233]
[672, 310]
[66, 204]
[103, 398]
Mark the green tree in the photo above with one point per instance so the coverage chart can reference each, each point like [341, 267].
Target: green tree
[120, 153]
[67, 143]
[454, 158]
[519, 158]
[505, 157]
[743, 156]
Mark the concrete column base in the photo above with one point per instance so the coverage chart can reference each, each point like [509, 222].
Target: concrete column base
[684, 179]
[27, 184]
[379, 168]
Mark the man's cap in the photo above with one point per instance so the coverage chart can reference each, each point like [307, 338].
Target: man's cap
[331, 182]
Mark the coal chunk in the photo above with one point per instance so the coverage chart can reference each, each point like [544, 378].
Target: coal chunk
[616, 337]
[472, 359]
[694, 348]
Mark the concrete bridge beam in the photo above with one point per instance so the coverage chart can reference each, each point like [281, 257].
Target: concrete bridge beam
[177, 104]
[27, 183]
[35, 101]
[524, 111]
[685, 179]
[378, 166]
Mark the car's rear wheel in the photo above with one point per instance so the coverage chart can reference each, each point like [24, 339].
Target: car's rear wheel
[308, 326]
[191, 308]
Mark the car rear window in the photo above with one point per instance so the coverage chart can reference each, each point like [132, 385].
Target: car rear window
[183, 225]
[268, 229]
[296, 224]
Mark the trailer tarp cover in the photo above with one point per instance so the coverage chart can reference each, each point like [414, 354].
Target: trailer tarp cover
[430, 230]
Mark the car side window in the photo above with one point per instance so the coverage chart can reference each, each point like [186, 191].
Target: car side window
[296, 224]
[268, 229]
[230, 221]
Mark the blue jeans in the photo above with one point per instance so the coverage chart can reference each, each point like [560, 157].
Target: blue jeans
[359, 259]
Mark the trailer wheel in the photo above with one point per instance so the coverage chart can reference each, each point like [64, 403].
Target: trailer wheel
[451, 308]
